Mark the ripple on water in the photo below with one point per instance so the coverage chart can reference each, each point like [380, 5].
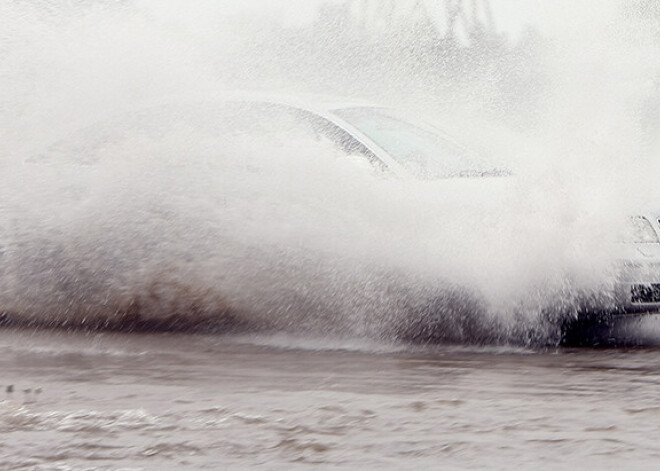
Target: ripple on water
[15, 417]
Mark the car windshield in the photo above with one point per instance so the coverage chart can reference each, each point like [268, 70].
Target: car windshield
[422, 151]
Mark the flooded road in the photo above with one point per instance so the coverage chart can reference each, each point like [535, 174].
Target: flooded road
[170, 402]
[466, 172]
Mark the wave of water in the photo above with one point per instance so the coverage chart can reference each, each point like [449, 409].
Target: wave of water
[110, 224]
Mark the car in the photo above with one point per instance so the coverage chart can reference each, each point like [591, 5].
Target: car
[390, 143]
[106, 199]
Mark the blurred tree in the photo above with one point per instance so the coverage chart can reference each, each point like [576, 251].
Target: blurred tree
[465, 22]
[426, 50]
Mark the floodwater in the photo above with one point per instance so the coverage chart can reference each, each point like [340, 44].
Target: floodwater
[128, 201]
[103, 401]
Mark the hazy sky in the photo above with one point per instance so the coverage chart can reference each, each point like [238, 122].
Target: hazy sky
[550, 17]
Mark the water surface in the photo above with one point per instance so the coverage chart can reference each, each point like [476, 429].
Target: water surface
[171, 402]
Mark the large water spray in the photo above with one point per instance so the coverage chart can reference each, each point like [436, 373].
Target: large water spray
[124, 206]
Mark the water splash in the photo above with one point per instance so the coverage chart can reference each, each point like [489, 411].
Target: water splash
[116, 216]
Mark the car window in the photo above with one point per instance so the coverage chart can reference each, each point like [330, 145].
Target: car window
[422, 151]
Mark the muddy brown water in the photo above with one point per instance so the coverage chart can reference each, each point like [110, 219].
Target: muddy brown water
[173, 402]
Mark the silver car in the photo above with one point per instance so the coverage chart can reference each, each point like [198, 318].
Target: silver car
[394, 144]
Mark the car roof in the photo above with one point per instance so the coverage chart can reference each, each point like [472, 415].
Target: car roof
[312, 102]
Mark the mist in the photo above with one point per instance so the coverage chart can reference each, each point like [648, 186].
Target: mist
[125, 207]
